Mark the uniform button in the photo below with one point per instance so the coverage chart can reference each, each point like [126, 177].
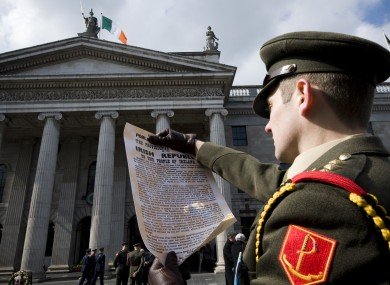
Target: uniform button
[345, 156]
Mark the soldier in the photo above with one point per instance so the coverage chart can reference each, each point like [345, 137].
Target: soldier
[324, 219]
[99, 267]
[121, 265]
[86, 268]
[136, 262]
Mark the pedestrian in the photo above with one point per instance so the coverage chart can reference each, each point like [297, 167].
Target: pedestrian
[136, 262]
[100, 261]
[228, 258]
[121, 265]
[324, 219]
[240, 269]
[86, 264]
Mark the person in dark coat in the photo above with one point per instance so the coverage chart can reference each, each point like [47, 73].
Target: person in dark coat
[326, 218]
[86, 265]
[121, 265]
[228, 258]
[100, 260]
[238, 247]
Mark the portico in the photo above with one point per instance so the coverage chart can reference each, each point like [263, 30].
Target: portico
[67, 103]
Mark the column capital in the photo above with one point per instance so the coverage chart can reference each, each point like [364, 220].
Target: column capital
[55, 115]
[101, 114]
[210, 112]
[157, 112]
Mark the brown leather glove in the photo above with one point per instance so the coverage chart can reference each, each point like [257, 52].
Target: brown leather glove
[165, 275]
[175, 140]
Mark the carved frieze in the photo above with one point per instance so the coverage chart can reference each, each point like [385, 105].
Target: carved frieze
[118, 93]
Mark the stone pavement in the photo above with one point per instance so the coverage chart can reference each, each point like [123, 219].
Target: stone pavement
[71, 278]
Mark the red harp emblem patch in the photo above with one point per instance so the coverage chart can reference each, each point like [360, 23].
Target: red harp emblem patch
[306, 256]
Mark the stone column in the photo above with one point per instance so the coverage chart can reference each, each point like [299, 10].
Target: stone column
[217, 135]
[162, 119]
[118, 203]
[3, 121]
[39, 215]
[13, 236]
[60, 260]
[102, 196]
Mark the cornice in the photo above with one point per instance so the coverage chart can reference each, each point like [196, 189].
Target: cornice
[83, 52]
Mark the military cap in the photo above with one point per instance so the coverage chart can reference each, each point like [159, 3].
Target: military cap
[95, 249]
[137, 244]
[101, 248]
[124, 243]
[320, 52]
[88, 250]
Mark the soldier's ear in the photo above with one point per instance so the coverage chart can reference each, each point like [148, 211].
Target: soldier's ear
[305, 94]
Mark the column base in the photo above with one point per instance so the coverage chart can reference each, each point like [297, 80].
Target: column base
[4, 271]
[63, 268]
[220, 268]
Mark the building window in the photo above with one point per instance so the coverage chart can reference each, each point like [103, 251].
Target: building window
[3, 176]
[246, 223]
[91, 178]
[239, 135]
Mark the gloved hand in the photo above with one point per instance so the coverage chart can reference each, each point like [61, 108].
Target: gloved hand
[175, 140]
[165, 275]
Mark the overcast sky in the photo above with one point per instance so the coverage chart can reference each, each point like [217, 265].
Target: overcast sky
[180, 25]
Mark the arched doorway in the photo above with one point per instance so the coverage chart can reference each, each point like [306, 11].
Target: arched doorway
[50, 240]
[82, 238]
[133, 234]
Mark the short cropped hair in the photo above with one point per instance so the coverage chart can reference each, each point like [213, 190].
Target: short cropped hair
[350, 98]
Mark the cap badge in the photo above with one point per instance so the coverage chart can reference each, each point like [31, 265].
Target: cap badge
[288, 68]
[282, 71]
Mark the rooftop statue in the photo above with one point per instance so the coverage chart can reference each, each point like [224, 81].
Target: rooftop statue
[91, 24]
[211, 45]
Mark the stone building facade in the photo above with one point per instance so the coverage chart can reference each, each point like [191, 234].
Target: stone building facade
[64, 183]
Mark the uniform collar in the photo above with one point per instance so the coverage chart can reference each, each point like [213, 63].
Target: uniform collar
[305, 159]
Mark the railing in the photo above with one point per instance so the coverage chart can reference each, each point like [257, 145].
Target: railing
[253, 90]
[241, 91]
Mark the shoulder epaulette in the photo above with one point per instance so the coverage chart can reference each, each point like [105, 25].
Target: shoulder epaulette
[368, 202]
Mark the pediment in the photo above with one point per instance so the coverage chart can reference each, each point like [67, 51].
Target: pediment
[87, 66]
[81, 55]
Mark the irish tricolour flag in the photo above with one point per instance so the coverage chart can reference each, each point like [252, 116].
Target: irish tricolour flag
[110, 26]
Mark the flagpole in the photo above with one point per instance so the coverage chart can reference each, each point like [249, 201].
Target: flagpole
[101, 23]
[81, 9]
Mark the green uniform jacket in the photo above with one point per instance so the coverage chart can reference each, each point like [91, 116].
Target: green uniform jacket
[136, 261]
[361, 254]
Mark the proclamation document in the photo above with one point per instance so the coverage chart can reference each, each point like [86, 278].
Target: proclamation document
[178, 204]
